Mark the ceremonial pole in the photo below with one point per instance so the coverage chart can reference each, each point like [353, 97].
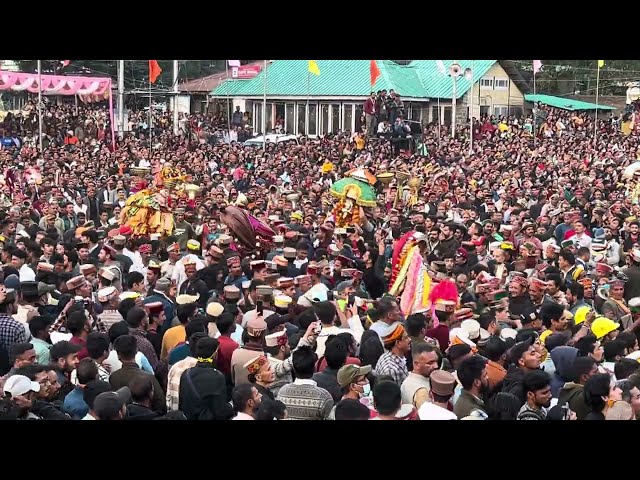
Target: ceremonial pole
[176, 66]
[121, 97]
[595, 129]
[40, 104]
[264, 111]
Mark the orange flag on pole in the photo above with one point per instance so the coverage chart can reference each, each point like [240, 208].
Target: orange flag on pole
[375, 72]
[154, 71]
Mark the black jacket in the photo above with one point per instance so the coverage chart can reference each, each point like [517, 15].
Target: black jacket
[518, 305]
[447, 247]
[197, 287]
[203, 394]
[124, 376]
[209, 276]
[47, 411]
[328, 379]
[513, 383]
[140, 412]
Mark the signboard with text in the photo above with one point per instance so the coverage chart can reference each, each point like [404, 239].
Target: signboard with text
[245, 72]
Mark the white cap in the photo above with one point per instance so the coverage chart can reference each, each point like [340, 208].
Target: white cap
[472, 327]
[215, 309]
[462, 335]
[19, 385]
[508, 333]
[634, 302]
[419, 237]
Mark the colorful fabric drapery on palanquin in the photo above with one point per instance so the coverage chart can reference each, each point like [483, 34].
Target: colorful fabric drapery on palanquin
[354, 191]
[148, 210]
[409, 277]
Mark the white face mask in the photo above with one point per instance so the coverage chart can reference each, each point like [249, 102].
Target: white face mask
[366, 390]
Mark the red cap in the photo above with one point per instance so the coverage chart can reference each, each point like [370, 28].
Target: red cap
[145, 248]
[479, 241]
[344, 260]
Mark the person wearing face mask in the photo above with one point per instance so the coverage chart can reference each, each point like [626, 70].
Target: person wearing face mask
[355, 385]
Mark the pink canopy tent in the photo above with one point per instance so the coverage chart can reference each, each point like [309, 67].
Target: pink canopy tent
[89, 89]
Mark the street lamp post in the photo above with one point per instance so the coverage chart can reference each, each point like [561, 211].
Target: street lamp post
[455, 72]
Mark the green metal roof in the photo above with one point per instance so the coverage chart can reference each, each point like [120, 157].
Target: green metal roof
[566, 103]
[441, 86]
[350, 78]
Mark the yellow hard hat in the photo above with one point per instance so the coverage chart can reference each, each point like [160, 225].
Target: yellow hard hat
[581, 314]
[602, 326]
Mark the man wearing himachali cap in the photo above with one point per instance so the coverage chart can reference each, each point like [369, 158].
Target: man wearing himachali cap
[178, 275]
[256, 330]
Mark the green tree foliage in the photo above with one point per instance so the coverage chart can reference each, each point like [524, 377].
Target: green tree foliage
[563, 77]
[136, 71]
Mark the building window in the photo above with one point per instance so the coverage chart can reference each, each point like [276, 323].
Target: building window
[486, 82]
[258, 117]
[324, 119]
[446, 116]
[348, 117]
[279, 125]
[335, 117]
[435, 114]
[269, 117]
[501, 83]
[290, 120]
[313, 121]
[302, 108]
[500, 110]
[415, 111]
[515, 110]
[360, 119]
[484, 110]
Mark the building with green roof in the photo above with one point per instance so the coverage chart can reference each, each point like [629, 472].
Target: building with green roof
[570, 104]
[303, 103]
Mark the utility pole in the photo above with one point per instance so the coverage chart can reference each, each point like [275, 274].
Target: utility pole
[121, 97]
[176, 129]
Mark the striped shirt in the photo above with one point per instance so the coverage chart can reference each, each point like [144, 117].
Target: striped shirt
[305, 400]
[110, 317]
[173, 382]
[528, 413]
[391, 364]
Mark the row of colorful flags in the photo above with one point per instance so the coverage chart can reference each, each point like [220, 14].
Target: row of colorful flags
[537, 65]
[314, 69]
[374, 71]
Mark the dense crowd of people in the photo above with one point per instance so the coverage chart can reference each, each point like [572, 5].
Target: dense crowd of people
[535, 231]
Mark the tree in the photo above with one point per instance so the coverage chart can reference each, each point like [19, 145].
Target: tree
[136, 71]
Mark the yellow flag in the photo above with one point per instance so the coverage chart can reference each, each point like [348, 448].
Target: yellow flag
[600, 63]
[313, 67]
